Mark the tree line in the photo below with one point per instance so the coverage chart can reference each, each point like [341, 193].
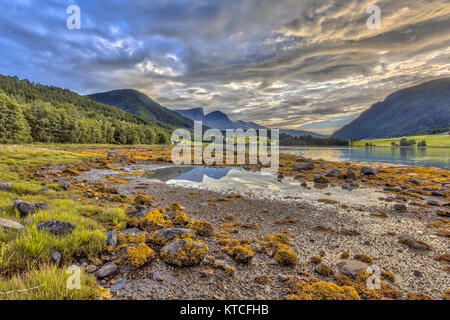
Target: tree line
[35, 113]
[287, 140]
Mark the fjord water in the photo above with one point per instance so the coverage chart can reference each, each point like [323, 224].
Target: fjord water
[411, 157]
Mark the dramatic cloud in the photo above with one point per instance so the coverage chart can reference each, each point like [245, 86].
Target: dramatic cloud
[286, 63]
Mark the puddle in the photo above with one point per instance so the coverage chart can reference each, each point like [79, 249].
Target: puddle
[254, 185]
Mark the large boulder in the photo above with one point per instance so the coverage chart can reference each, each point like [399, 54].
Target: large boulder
[183, 253]
[5, 186]
[139, 212]
[368, 171]
[10, 224]
[350, 174]
[351, 268]
[58, 228]
[26, 208]
[167, 235]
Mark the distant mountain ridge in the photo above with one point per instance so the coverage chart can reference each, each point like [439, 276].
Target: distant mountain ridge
[139, 104]
[221, 121]
[404, 113]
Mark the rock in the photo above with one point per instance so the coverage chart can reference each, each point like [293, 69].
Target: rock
[10, 224]
[397, 189]
[350, 174]
[415, 244]
[166, 235]
[140, 212]
[304, 184]
[344, 187]
[183, 253]
[206, 273]
[416, 182]
[58, 228]
[418, 274]
[25, 208]
[324, 270]
[433, 203]
[320, 179]
[354, 185]
[368, 171]
[446, 204]
[111, 239]
[352, 267]
[333, 173]
[399, 207]
[438, 193]
[107, 270]
[219, 264]
[64, 186]
[132, 232]
[112, 154]
[5, 186]
[90, 268]
[161, 159]
[306, 166]
[56, 257]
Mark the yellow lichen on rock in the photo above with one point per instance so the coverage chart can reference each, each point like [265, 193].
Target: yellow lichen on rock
[322, 291]
[201, 228]
[184, 253]
[138, 256]
[180, 218]
[285, 256]
[154, 219]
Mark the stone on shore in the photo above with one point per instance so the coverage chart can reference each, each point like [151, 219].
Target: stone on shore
[166, 235]
[368, 171]
[55, 257]
[399, 207]
[183, 253]
[334, 173]
[351, 268]
[10, 224]
[5, 186]
[57, 228]
[107, 270]
[111, 239]
[26, 208]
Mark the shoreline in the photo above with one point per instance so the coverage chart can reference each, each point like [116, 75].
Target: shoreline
[324, 229]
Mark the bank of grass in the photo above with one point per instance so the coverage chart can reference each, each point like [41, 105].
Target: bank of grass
[25, 254]
[435, 140]
[49, 283]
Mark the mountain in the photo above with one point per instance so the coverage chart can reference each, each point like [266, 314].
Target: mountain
[141, 105]
[31, 112]
[404, 113]
[196, 114]
[218, 120]
[301, 133]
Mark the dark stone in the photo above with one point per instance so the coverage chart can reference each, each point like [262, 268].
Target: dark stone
[305, 166]
[172, 248]
[438, 193]
[64, 186]
[107, 270]
[133, 232]
[433, 203]
[140, 212]
[368, 171]
[354, 185]
[416, 182]
[320, 179]
[350, 174]
[172, 233]
[333, 173]
[55, 257]
[25, 208]
[111, 239]
[58, 228]
[397, 189]
[304, 184]
[400, 207]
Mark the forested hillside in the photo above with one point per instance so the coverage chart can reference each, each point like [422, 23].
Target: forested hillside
[139, 104]
[31, 112]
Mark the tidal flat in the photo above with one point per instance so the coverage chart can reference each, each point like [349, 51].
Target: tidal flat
[310, 232]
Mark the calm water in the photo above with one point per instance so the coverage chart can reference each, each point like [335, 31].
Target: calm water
[414, 157]
[254, 185]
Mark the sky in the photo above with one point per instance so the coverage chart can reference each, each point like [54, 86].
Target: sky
[290, 64]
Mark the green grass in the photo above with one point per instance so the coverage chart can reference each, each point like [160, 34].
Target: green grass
[436, 140]
[49, 283]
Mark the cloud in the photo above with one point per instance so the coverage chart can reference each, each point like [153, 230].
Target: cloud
[284, 63]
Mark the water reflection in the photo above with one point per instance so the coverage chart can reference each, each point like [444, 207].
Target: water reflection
[416, 157]
[253, 184]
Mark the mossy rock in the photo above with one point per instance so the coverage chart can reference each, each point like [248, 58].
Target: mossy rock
[184, 253]
[166, 235]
